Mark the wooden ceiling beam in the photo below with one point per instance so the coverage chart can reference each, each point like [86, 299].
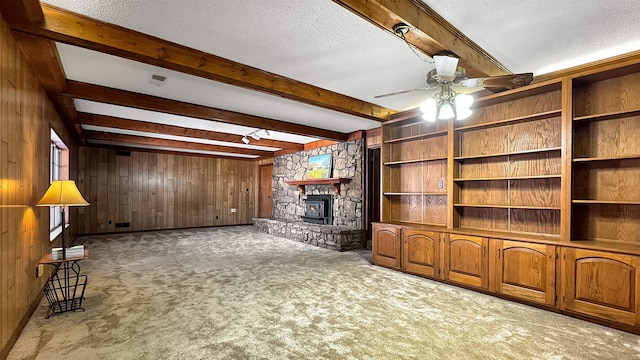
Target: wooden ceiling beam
[21, 12]
[430, 32]
[75, 29]
[107, 95]
[168, 152]
[43, 56]
[135, 125]
[175, 144]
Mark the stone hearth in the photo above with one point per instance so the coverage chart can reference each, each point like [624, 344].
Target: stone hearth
[340, 238]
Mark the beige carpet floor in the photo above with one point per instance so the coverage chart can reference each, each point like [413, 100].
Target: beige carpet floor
[234, 293]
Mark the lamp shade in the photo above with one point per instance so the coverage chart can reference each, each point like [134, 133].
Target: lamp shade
[62, 193]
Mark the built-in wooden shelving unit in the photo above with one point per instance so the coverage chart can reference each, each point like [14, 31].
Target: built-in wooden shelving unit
[535, 197]
[414, 158]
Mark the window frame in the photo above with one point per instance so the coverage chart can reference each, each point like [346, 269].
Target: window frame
[58, 170]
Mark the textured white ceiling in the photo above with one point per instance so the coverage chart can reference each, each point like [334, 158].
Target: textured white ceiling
[316, 42]
[93, 107]
[321, 43]
[546, 35]
[106, 70]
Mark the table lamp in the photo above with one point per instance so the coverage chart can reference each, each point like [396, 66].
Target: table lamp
[62, 193]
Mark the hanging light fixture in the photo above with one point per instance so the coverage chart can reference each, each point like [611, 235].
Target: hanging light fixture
[447, 104]
[245, 139]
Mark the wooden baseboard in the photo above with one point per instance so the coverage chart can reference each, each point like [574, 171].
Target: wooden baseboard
[4, 353]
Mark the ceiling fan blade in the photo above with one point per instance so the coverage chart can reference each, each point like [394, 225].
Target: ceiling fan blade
[499, 83]
[401, 92]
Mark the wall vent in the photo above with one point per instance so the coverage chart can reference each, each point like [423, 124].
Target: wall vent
[157, 80]
[123, 225]
[123, 153]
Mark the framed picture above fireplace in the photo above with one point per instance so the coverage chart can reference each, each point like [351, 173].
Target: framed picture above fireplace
[319, 167]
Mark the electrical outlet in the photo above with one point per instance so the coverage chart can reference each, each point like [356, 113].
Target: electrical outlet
[440, 184]
[40, 270]
[234, 210]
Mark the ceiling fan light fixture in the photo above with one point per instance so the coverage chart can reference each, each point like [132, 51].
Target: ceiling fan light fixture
[245, 139]
[463, 114]
[255, 135]
[446, 111]
[463, 101]
[446, 67]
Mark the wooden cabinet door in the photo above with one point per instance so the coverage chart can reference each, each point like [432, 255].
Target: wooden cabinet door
[466, 260]
[386, 245]
[601, 284]
[421, 252]
[524, 270]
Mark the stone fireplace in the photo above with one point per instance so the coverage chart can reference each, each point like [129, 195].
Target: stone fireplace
[336, 221]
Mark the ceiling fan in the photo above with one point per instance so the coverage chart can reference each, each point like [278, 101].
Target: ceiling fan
[447, 103]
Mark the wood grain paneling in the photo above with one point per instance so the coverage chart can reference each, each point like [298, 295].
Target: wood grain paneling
[546, 163]
[523, 270]
[516, 108]
[484, 218]
[538, 134]
[484, 142]
[600, 284]
[492, 167]
[26, 116]
[406, 178]
[435, 176]
[602, 181]
[607, 96]
[535, 192]
[421, 252]
[386, 245]
[406, 208]
[606, 222]
[536, 221]
[163, 191]
[484, 193]
[607, 138]
[435, 211]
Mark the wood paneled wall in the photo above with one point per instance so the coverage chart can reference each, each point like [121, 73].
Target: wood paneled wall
[26, 116]
[162, 191]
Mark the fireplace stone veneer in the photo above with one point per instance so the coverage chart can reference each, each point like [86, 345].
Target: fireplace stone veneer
[339, 238]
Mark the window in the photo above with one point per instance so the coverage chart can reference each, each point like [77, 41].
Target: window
[58, 170]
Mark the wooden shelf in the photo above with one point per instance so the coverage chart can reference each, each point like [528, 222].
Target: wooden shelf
[519, 93]
[607, 158]
[509, 178]
[534, 151]
[509, 207]
[532, 117]
[605, 202]
[608, 116]
[413, 194]
[416, 137]
[330, 181]
[391, 163]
